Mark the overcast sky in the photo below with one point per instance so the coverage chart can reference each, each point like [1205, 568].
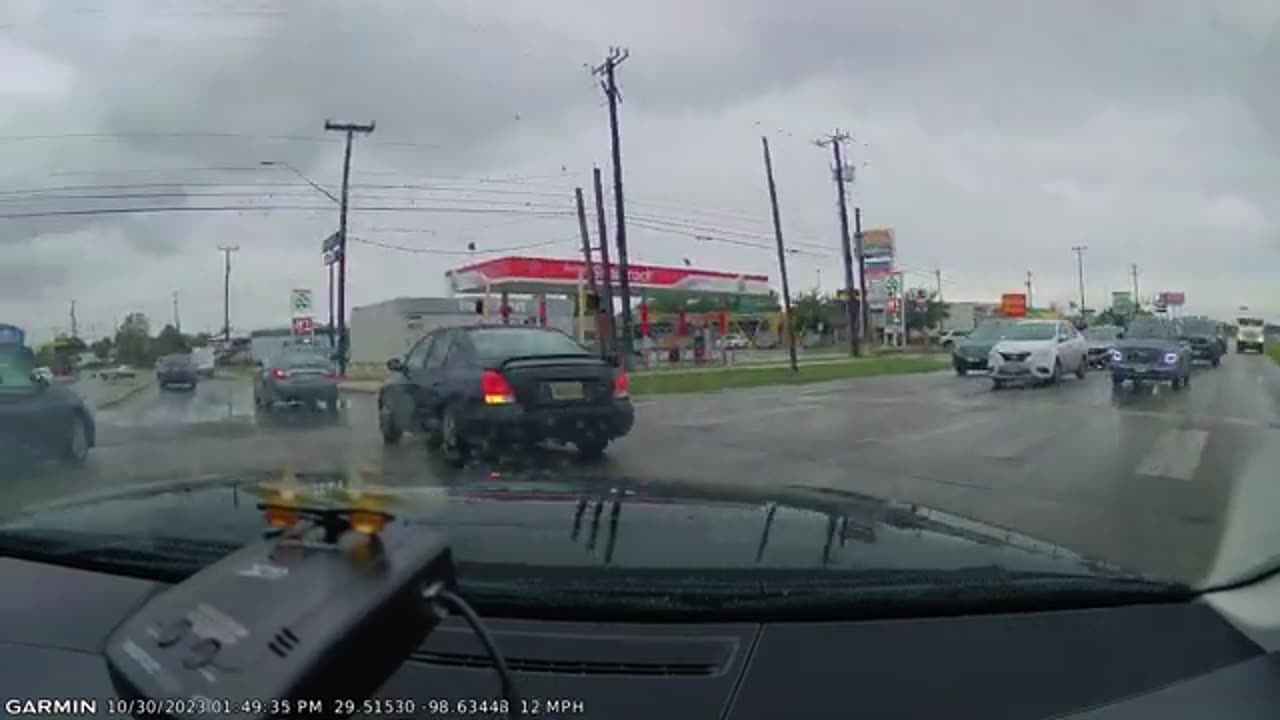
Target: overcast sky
[992, 135]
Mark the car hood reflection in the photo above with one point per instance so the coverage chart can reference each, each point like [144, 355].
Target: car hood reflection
[597, 523]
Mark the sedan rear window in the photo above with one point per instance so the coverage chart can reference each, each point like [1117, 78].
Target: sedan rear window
[304, 358]
[503, 343]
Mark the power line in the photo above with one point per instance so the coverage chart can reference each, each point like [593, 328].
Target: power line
[270, 208]
[434, 251]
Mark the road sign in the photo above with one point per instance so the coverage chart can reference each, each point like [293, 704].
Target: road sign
[331, 257]
[303, 326]
[329, 244]
[300, 302]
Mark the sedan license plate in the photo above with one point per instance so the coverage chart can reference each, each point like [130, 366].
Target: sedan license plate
[1142, 368]
[566, 390]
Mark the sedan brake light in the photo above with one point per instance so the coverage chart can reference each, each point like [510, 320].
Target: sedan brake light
[496, 389]
[280, 374]
[622, 386]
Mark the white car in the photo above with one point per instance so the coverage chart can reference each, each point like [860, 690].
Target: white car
[1038, 351]
[950, 337]
[736, 341]
[1250, 334]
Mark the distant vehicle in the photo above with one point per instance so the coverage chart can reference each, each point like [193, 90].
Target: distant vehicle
[176, 371]
[1038, 351]
[949, 338]
[493, 387]
[40, 417]
[204, 360]
[973, 351]
[1202, 335]
[117, 373]
[42, 374]
[736, 341]
[1100, 340]
[1151, 351]
[297, 374]
[1250, 334]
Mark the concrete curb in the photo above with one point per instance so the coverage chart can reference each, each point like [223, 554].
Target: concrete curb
[123, 396]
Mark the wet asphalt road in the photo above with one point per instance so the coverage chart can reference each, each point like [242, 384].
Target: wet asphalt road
[1143, 479]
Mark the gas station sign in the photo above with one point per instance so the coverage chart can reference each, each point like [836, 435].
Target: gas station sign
[303, 326]
[1013, 305]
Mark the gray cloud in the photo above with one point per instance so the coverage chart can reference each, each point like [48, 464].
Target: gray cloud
[998, 133]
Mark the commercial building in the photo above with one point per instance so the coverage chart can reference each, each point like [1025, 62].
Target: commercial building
[388, 329]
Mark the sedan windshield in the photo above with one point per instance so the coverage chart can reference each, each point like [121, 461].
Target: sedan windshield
[1031, 331]
[1102, 332]
[503, 343]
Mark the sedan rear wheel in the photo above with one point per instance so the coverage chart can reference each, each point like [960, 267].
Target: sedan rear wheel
[452, 445]
[75, 449]
[391, 432]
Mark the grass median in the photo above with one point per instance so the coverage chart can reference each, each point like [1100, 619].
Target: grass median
[1273, 352]
[745, 376]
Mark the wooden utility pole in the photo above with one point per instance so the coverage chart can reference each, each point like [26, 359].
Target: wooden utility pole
[610, 85]
[835, 141]
[782, 255]
[602, 233]
[1028, 284]
[864, 303]
[226, 251]
[590, 279]
[344, 350]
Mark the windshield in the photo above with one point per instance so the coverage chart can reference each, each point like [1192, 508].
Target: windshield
[450, 248]
[1145, 328]
[989, 330]
[1032, 331]
[1199, 327]
[505, 343]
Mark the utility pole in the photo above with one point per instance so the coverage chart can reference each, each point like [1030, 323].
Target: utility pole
[937, 279]
[75, 328]
[1079, 251]
[864, 303]
[835, 141]
[586, 257]
[177, 318]
[782, 255]
[602, 232]
[350, 129]
[226, 251]
[1028, 284]
[606, 69]
[1133, 269]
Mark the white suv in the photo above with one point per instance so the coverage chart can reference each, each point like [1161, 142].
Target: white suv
[1249, 334]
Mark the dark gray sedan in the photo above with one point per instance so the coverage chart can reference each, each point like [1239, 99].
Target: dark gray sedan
[302, 375]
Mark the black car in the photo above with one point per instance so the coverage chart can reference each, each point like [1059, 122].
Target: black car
[38, 417]
[300, 374]
[1205, 340]
[1151, 351]
[176, 370]
[490, 387]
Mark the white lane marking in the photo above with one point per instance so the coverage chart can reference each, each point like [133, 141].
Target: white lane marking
[1175, 454]
[750, 415]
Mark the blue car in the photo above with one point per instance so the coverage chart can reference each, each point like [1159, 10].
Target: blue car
[1151, 351]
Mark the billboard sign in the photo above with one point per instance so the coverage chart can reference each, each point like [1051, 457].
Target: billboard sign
[1013, 305]
[878, 246]
[1172, 299]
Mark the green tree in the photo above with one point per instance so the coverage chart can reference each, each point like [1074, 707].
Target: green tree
[133, 340]
[102, 347]
[924, 310]
[170, 341]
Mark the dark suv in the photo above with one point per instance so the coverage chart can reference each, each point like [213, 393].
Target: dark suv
[1203, 337]
[176, 370]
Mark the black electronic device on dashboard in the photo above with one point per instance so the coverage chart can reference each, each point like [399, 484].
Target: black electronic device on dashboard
[305, 623]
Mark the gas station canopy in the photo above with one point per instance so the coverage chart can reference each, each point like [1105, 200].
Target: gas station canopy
[536, 276]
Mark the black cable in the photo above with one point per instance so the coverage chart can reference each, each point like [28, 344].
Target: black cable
[456, 604]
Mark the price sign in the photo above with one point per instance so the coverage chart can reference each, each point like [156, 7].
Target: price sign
[303, 326]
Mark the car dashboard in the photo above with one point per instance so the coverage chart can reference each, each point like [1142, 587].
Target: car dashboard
[1168, 660]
